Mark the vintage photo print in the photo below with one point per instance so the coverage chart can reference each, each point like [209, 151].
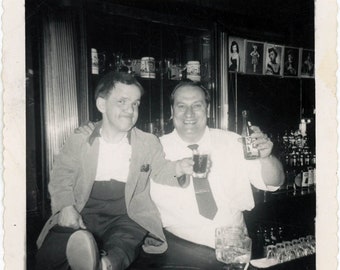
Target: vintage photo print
[23, 90]
[291, 62]
[236, 54]
[254, 57]
[273, 60]
[307, 63]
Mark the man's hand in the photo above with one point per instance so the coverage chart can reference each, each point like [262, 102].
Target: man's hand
[85, 129]
[69, 217]
[184, 166]
[262, 142]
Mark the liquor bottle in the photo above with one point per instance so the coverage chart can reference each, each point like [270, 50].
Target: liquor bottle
[280, 234]
[250, 152]
[298, 177]
[259, 243]
[273, 236]
[266, 241]
[311, 173]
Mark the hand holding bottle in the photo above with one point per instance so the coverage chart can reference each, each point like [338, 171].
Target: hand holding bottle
[261, 142]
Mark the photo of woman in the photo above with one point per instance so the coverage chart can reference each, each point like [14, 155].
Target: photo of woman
[254, 57]
[273, 60]
[291, 62]
[234, 57]
[236, 54]
[307, 65]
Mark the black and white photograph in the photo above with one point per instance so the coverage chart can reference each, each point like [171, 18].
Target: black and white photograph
[273, 60]
[173, 134]
[291, 62]
[236, 54]
[307, 63]
[254, 57]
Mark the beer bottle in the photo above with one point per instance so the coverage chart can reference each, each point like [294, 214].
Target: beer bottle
[250, 152]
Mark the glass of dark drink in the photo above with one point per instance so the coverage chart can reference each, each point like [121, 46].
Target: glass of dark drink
[200, 166]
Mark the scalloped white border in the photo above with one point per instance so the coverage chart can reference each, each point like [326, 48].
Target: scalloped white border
[14, 157]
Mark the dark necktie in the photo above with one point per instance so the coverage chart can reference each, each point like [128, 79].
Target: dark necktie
[204, 197]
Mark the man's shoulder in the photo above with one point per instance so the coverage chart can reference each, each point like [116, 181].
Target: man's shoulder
[144, 136]
[168, 138]
[77, 138]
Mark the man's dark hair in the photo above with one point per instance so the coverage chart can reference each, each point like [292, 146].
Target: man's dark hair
[192, 84]
[109, 81]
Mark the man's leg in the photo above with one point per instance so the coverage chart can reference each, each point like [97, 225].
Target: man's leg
[52, 253]
[122, 242]
[65, 247]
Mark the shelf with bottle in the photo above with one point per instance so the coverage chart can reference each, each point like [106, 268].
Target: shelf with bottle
[297, 154]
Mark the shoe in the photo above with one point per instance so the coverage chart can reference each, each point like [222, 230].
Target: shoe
[105, 264]
[82, 251]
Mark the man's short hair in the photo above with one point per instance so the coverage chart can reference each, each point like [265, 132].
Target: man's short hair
[108, 82]
[192, 84]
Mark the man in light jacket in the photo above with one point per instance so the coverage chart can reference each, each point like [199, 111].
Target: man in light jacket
[100, 186]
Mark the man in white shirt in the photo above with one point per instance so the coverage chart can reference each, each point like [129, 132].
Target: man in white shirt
[230, 176]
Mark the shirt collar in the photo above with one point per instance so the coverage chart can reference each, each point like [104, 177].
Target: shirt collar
[203, 142]
[96, 133]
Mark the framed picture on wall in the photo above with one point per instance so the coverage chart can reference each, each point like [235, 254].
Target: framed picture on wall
[273, 60]
[291, 61]
[307, 63]
[236, 54]
[253, 57]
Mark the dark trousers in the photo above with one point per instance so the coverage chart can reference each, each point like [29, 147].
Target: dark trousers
[181, 254]
[121, 240]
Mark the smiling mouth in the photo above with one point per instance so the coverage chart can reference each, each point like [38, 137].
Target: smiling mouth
[189, 122]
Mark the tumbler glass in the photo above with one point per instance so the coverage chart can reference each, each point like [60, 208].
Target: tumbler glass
[282, 255]
[232, 246]
[200, 158]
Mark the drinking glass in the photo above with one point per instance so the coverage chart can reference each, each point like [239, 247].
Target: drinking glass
[282, 255]
[299, 251]
[290, 250]
[308, 250]
[232, 246]
[200, 158]
[271, 252]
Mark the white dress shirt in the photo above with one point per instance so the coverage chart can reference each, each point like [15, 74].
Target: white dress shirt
[230, 179]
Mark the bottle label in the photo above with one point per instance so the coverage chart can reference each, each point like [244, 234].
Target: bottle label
[304, 182]
[310, 176]
[250, 152]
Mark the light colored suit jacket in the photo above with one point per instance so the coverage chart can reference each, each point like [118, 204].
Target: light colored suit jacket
[74, 172]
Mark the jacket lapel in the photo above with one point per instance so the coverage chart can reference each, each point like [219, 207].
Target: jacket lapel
[137, 150]
[90, 162]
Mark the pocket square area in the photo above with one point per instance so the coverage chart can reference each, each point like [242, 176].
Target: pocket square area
[145, 168]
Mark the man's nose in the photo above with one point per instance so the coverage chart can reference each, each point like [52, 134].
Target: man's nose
[129, 108]
[188, 111]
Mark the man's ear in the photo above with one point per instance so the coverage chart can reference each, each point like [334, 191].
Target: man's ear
[100, 103]
[208, 111]
[172, 113]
